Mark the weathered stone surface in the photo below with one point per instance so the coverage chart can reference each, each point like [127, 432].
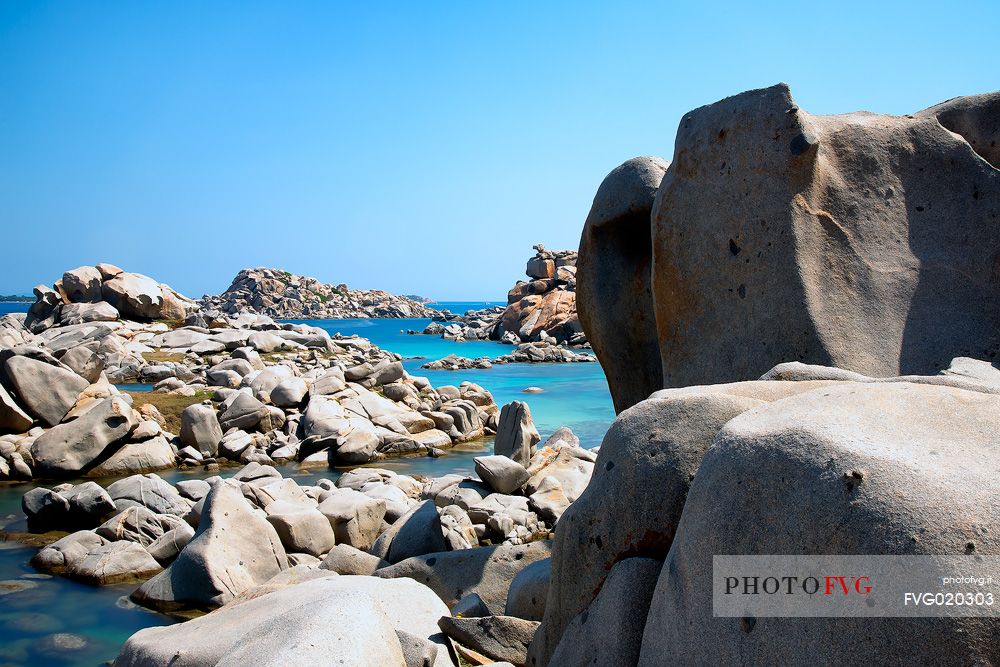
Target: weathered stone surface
[200, 428]
[346, 620]
[498, 637]
[137, 524]
[13, 419]
[617, 615]
[415, 533]
[830, 239]
[614, 293]
[45, 391]
[65, 553]
[136, 457]
[233, 550]
[134, 295]
[85, 361]
[70, 448]
[502, 474]
[646, 463]
[245, 413]
[82, 285]
[301, 528]
[356, 518]
[529, 590]
[79, 313]
[45, 509]
[844, 453]
[149, 491]
[516, 433]
[115, 563]
[345, 559]
[487, 571]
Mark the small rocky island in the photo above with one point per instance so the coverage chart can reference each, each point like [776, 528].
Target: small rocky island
[285, 296]
[540, 318]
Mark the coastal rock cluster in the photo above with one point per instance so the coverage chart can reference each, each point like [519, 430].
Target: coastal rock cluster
[806, 460]
[255, 390]
[285, 296]
[542, 309]
[104, 293]
[860, 241]
[475, 547]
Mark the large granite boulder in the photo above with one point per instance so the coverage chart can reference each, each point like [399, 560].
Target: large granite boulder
[82, 285]
[344, 620]
[70, 448]
[46, 391]
[876, 468]
[860, 241]
[815, 466]
[486, 571]
[234, 549]
[613, 280]
[516, 433]
[134, 295]
[200, 428]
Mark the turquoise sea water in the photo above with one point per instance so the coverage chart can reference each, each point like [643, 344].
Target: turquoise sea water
[32, 609]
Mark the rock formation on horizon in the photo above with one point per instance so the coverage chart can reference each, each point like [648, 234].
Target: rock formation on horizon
[862, 241]
[104, 293]
[539, 310]
[286, 296]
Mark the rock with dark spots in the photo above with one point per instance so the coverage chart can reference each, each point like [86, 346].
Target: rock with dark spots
[858, 468]
[657, 444]
[45, 391]
[529, 590]
[415, 533]
[233, 549]
[70, 448]
[115, 563]
[516, 433]
[487, 571]
[617, 615]
[859, 241]
[498, 637]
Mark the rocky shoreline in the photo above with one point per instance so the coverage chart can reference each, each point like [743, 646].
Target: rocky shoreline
[285, 296]
[257, 390]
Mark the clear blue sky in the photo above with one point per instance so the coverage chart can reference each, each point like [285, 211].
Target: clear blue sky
[414, 147]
